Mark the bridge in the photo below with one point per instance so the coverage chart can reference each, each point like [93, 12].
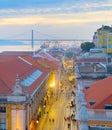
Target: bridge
[49, 39]
[29, 36]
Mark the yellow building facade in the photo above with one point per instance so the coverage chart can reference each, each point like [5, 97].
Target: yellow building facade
[109, 41]
[105, 38]
[20, 111]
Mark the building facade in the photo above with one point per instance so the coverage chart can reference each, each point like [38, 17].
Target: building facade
[95, 39]
[93, 94]
[24, 86]
[105, 38]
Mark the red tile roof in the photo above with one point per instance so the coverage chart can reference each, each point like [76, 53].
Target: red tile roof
[100, 92]
[10, 66]
[17, 53]
[3, 88]
[52, 61]
[23, 65]
[35, 62]
[42, 63]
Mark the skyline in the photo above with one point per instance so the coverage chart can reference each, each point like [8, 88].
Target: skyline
[60, 19]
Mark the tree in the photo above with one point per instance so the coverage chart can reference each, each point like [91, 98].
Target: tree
[86, 46]
[69, 54]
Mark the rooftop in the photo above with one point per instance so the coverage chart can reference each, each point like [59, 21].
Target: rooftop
[99, 92]
[31, 71]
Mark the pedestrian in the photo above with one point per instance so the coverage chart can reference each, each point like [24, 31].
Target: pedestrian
[53, 120]
[68, 125]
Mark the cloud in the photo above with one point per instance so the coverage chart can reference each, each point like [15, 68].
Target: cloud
[68, 15]
[73, 18]
[62, 8]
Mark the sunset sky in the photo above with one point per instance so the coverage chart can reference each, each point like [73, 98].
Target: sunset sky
[55, 18]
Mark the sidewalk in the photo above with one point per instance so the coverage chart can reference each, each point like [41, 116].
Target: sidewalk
[70, 124]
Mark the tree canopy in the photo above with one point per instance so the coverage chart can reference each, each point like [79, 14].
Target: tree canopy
[69, 54]
[86, 46]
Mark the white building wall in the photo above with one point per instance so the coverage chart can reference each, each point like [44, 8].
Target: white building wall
[13, 115]
[16, 98]
[109, 114]
[99, 114]
[18, 119]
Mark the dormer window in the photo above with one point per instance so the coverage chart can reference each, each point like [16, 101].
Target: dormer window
[92, 102]
[108, 106]
[86, 87]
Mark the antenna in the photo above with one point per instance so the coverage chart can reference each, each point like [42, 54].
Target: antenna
[33, 44]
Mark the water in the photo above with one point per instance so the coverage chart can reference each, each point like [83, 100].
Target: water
[6, 45]
[18, 46]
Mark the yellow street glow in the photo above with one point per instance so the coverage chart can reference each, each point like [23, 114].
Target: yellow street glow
[37, 121]
[52, 85]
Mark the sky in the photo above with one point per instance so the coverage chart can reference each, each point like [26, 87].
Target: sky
[75, 19]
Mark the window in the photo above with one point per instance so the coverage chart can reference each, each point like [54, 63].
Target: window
[86, 87]
[108, 106]
[2, 109]
[91, 102]
[2, 123]
[29, 80]
[3, 99]
[109, 45]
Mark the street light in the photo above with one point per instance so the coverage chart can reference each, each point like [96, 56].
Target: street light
[37, 121]
[52, 84]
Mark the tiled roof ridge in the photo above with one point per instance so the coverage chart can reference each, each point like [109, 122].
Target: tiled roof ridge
[100, 81]
[93, 86]
[49, 55]
[96, 89]
[34, 62]
[105, 27]
[46, 63]
[97, 104]
[24, 60]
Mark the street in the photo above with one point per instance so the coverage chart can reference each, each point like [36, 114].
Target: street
[58, 114]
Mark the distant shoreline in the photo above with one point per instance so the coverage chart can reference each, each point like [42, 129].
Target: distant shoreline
[18, 48]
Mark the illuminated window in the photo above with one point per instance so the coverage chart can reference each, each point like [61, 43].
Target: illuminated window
[31, 78]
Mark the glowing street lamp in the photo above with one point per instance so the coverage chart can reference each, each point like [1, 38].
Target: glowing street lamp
[52, 84]
[52, 80]
[37, 121]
